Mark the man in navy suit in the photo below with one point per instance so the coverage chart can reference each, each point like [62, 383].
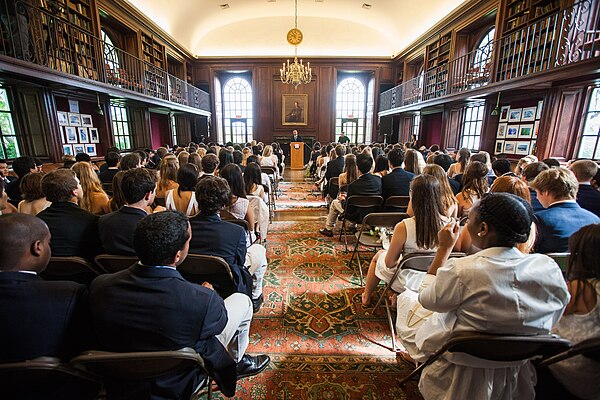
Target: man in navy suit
[367, 184]
[530, 172]
[587, 196]
[397, 182]
[556, 189]
[116, 229]
[296, 137]
[334, 169]
[150, 307]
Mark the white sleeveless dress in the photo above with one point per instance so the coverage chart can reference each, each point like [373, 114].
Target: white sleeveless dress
[192, 205]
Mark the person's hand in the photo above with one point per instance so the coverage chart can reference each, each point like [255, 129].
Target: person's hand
[208, 285]
[448, 235]
[159, 209]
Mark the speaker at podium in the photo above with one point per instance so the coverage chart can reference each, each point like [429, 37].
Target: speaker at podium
[297, 155]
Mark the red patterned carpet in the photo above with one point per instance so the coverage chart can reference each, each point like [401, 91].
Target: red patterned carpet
[322, 343]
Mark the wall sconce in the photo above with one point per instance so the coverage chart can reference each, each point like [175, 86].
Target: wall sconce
[99, 109]
[496, 109]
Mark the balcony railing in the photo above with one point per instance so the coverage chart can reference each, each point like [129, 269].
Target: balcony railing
[37, 36]
[562, 38]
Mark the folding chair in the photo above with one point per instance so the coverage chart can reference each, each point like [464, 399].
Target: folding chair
[497, 348]
[361, 202]
[108, 188]
[383, 219]
[75, 269]
[561, 260]
[272, 174]
[146, 365]
[396, 203]
[110, 263]
[199, 268]
[589, 348]
[45, 378]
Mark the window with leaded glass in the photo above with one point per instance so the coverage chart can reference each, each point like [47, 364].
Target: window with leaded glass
[120, 125]
[350, 109]
[8, 135]
[237, 110]
[472, 124]
[589, 146]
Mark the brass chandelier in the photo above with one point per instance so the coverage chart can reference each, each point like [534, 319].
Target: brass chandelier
[296, 72]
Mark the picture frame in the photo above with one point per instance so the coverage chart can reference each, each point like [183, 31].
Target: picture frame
[504, 110]
[94, 136]
[68, 150]
[533, 147]
[70, 134]
[515, 115]
[499, 148]
[86, 120]
[501, 133]
[536, 128]
[294, 109]
[63, 118]
[509, 147]
[90, 149]
[525, 131]
[78, 148]
[83, 135]
[512, 131]
[74, 119]
[538, 113]
[528, 114]
[522, 148]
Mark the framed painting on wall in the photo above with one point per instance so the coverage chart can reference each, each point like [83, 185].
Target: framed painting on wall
[504, 113]
[499, 147]
[522, 148]
[509, 147]
[94, 137]
[528, 114]
[86, 120]
[78, 148]
[515, 115]
[70, 134]
[63, 118]
[536, 128]
[538, 114]
[525, 131]
[91, 149]
[294, 109]
[512, 131]
[74, 119]
[68, 150]
[502, 131]
[83, 135]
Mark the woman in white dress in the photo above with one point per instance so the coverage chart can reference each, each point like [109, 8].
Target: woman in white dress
[239, 205]
[183, 199]
[269, 159]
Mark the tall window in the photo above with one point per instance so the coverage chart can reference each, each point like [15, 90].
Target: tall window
[483, 53]
[473, 121]
[350, 109]
[121, 131]
[589, 147]
[415, 127]
[8, 135]
[237, 110]
[173, 129]
[110, 53]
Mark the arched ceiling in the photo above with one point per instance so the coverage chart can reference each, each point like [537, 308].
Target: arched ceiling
[330, 27]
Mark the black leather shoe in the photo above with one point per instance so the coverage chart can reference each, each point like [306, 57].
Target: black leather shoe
[326, 232]
[257, 303]
[252, 365]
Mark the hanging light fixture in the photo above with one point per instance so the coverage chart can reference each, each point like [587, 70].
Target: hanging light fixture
[99, 109]
[296, 72]
[496, 109]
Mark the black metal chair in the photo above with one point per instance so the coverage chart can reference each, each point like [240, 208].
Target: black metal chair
[227, 216]
[272, 174]
[199, 268]
[589, 348]
[383, 219]
[561, 260]
[75, 269]
[396, 203]
[501, 348]
[110, 263]
[136, 366]
[108, 188]
[361, 202]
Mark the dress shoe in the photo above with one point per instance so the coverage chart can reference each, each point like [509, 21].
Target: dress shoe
[252, 365]
[257, 303]
[326, 232]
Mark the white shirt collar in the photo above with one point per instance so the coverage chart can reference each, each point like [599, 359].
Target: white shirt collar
[562, 201]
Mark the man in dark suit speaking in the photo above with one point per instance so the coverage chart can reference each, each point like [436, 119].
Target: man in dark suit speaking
[296, 137]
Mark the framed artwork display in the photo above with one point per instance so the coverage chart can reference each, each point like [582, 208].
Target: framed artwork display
[538, 114]
[515, 115]
[94, 137]
[525, 131]
[86, 120]
[70, 134]
[83, 135]
[522, 148]
[68, 150]
[504, 113]
[536, 128]
[294, 109]
[90, 149]
[509, 147]
[502, 128]
[528, 114]
[512, 131]
[78, 148]
[74, 119]
[499, 147]
[63, 118]
[533, 147]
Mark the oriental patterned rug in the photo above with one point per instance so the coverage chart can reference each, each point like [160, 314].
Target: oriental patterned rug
[303, 194]
[323, 344]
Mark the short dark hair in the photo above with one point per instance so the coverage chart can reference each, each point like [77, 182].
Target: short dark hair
[210, 162]
[129, 161]
[59, 185]
[364, 162]
[508, 215]
[443, 160]
[225, 157]
[22, 165]
[434, 148]
[381, 163]
[340, 150]
[252, 158]
[212, 194]
[534, 169]
[501, 166]
[3, 161]
[112, 159]
[238, 156]
[79, 157]
[396, 157]
[136, 183]
[142, 154]
[551, 162]
[158, 237]
[187, 177]
[233, 175]
[24, 230]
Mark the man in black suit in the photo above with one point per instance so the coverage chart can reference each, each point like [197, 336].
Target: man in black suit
[112, 162]
[445, 161]
[5, 174]
[587, 196]
[22, 166]
[397, 182]
[296, 137]
[74, 230]
[150, 307]
[334, 169]
[116, 229]
[367, 184]
[501, 167]
[211, 236]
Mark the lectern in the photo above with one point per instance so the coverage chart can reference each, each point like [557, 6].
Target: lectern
[297, 154]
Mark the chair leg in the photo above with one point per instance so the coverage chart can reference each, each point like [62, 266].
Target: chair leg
[387, 286]
[391, 324]
[352, 257]
[360, 271]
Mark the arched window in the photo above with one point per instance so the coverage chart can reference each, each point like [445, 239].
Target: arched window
[237, 110]
[350, 109]
[110, 53]
[483, 50]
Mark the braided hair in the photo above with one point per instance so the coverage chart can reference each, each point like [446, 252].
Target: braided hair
[508, 215]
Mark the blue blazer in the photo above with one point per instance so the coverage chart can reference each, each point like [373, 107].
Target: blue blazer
[589, 198]
[396, 183]
[559, 221]
[535, 203]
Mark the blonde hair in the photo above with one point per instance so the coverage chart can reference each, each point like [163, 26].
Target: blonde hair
[201, 151]
[183, 157]
[246, 152]
[168, 168]
[559, 182]
[267, 151]
[448, 199]
[90, 183]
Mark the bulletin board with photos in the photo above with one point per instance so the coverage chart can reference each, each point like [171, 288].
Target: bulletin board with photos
[78, 133]
[518, 129]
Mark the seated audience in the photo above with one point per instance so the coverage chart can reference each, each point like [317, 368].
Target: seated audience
[445, 161]
[116, 229]
[238, 157]
[34, 199]
[397, 181]
[167, 176]
[94, 199]
[74, 230]
[449, 203]
[381, 166]
[105, 166]
[253, 183]
[5, 206]
[239, 205]
[183, 199]
[112, 161]
[367, 184]
[269, 159]
[501, 167]
[130, 161]
[416, 234]
[22, 166]
[210, 162]
[484, 158]
[225, 157]
[133, 310]
[117, 200]
[5, 173]
[523, 162]
[333, 169]
[414, 161]
[587, 196]
[196, 159]
[479, 293]
[475, 185]
[350, 173]
[551, 162]
[183, 158]
[530, 172]
[556, 190]
[462, 159]
[264, 178]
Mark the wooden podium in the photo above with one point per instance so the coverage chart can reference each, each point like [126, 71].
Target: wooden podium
[297, 155]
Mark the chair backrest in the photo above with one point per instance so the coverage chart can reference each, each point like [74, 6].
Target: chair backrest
[199, 268]
[397, 203]
[364, 201]
[561, 260]
[241, 222]
[271, 171]
[160, 201]
[421, 261]
[384, 219]
[112, 263]
[108, 188]
[588, 348]
[75, 269]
